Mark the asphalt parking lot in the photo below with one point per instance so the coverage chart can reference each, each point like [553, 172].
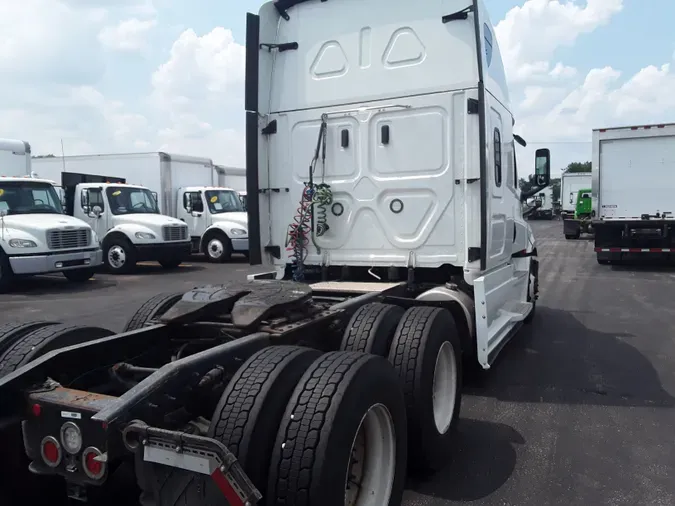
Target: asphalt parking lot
[579, 410]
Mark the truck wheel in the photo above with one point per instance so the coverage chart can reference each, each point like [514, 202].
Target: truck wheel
[427, 355]
[251, 408]
[12, 332]
[6, 273]
[218, 248]
[43, 340]
[342, 439]
[371, 328]
[79, 275]
[531, 294]
[152, 308]
[119, 256]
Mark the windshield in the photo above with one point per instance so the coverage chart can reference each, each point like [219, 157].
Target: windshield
[126, 200]
[223, 201]
[29, 198]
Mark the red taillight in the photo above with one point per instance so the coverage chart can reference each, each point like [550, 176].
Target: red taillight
[51, 451]
[36, 409]
[94, 465]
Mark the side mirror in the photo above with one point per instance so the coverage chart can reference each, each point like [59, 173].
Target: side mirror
[154, 196]
[3, 213]
[542, 167]
[84, 200]
[97, 210]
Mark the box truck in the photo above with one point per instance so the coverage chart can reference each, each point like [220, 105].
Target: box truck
[633, 188]
[118, 196]
[542, 204]
[36, 237]
[384, 199]
[570, 184]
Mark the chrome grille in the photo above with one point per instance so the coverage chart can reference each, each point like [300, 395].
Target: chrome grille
[68, 239]
[175, 232]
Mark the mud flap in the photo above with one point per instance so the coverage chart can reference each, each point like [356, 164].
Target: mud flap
[197, 459]
[500, 310]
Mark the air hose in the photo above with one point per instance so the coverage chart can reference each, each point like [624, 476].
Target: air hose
[308, 222]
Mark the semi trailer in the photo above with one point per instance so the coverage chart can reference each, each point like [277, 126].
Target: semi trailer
[633, 187]
[384, 204]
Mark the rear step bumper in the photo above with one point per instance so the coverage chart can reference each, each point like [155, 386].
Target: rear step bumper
[195, 454]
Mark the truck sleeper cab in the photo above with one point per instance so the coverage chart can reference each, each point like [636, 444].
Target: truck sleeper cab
[216, 219]
[383, 193]
[129, 224]
[37, 238]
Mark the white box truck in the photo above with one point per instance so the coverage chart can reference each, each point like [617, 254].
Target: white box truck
[233, 177]
[634, 192]
[36, 237]
[570, 185]
[117, 195]
[541, 205]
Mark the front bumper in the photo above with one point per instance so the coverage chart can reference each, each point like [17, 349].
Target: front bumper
[56, 262]
[240, 245]
[160, 251]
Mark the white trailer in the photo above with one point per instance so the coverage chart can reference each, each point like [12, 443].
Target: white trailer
[570, 185]
[633, 189]
[124, 199]
[231, 177]
[35, 236]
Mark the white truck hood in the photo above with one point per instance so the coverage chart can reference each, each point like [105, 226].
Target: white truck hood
[35, 223]
[237, 217]
[148, 220]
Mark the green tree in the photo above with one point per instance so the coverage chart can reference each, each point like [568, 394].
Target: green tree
[578, 167]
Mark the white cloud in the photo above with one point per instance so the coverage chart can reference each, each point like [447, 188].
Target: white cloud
[129, 35]
[529, 35]
[557, 106]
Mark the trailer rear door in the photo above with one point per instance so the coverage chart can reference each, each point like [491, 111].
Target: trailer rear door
[637, 176]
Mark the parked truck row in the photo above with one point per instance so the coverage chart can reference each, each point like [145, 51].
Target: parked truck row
[114, 209]
[393, 263]
[626, 200]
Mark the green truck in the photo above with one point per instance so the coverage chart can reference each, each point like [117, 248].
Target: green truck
[580, 223]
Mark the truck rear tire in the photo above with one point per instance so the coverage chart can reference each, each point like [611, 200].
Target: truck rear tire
[251, 408]
[371, 329]
[152, 308]
[43, 340]
[79, 275]
[119, 255]
[217, 247]
[345, 423]
[12, 332]
[427, 354]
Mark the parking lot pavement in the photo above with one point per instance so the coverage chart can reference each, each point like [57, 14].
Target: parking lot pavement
[108, 300]
[579, 409]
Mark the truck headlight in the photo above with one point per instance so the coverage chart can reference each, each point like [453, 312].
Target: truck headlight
[22, 243]
[238, 231]
[144, 235]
